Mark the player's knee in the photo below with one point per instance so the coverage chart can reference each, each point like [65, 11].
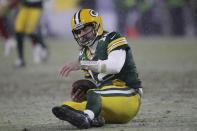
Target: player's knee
[92, 93]
[92, 97]
[94, 102]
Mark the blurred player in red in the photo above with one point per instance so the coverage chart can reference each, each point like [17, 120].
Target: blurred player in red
[7, 9]
[26, 24]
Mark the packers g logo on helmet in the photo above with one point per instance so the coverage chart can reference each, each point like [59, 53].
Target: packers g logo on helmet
[93, 13]
[86, 17]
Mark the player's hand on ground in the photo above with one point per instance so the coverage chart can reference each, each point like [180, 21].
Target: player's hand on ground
[68, 67]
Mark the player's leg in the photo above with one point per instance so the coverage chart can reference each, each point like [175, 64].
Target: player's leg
[10, 42]
[82, 115]
[121, 108]
[119, 103]
[72, 112]
[20, 62]
[3, 31]
[20, 22]
[40, 49]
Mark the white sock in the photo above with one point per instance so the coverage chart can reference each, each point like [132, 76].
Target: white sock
[90, 114]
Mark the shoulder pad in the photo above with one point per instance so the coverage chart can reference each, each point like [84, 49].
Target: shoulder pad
[112, 36]
[115, 41]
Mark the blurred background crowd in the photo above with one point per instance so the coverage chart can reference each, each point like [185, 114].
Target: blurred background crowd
[133, 18]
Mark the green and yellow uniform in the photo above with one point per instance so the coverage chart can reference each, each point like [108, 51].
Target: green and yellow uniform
[119, 97]
[28, 16]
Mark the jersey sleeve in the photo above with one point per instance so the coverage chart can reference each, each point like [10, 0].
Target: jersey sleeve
[116, 42]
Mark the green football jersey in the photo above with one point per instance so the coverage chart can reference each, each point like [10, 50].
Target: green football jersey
[106, 44]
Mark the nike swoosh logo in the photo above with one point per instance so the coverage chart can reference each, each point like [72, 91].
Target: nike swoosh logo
[113, 36]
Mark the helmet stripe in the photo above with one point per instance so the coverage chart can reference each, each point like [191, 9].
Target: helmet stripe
[77, 17]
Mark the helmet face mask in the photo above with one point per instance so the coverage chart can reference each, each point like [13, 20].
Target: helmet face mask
[85, 35]
[86, 27]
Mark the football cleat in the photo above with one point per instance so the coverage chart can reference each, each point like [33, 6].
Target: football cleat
[40, 54]
[36, 53]
[44, 54]
[19, 63]
[98, 122]
[74, 117]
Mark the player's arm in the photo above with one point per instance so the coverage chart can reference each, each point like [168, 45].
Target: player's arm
[112, 65]
[68, 67]
[116, 49]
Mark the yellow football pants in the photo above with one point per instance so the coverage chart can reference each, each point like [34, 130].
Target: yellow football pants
[27, 20]
[115, 108]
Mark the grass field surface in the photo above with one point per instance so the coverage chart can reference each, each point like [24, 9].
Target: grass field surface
[167, 67]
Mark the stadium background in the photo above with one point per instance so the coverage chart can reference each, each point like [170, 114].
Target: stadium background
[167, 66]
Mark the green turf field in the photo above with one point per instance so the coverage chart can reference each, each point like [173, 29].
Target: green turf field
[167, 67]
